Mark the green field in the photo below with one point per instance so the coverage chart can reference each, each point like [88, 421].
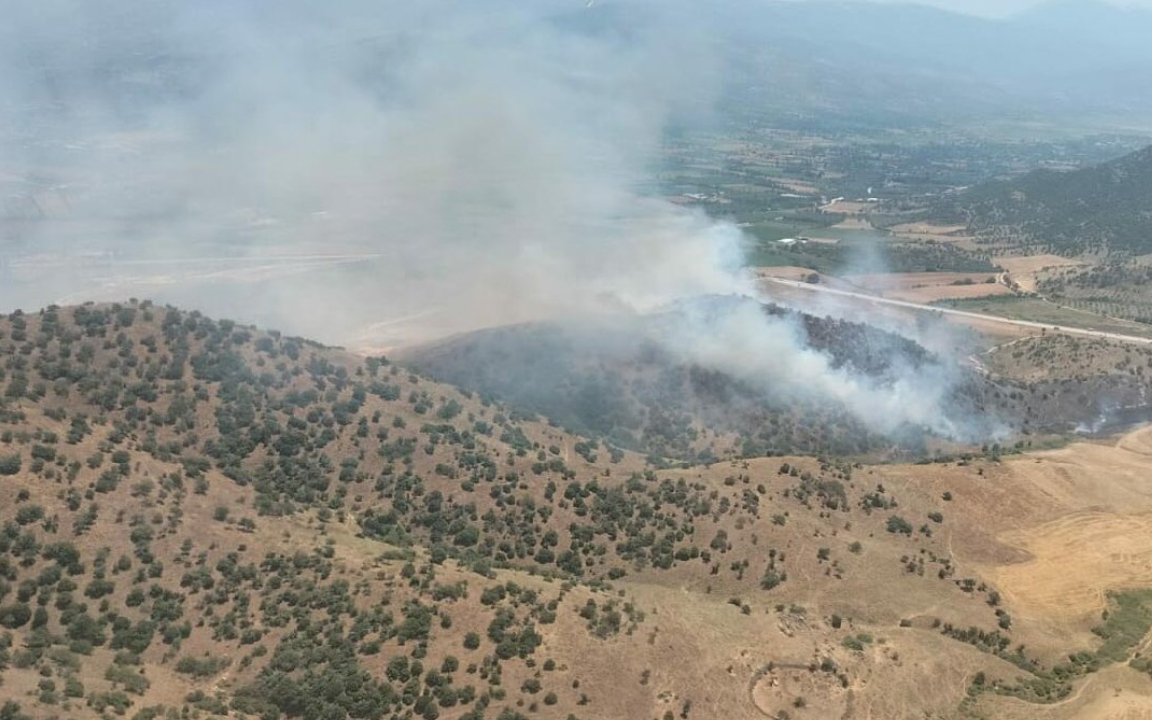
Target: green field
[776, 229]
[1035, 309]
[858, 251]
[771, 254]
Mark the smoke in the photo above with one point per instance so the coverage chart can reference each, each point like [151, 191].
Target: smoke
[464, 165]
[773, 353]
[376, 172]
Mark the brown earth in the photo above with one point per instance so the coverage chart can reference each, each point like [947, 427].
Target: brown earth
[851, 627]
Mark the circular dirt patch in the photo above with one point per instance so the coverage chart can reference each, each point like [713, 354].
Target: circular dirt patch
[796, 693]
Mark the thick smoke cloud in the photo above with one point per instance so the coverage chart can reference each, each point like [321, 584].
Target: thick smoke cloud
[373, 173]
[481, 161]
[773, 352]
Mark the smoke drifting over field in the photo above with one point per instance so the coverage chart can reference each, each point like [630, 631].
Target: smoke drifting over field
[485, 158]
[452, 165]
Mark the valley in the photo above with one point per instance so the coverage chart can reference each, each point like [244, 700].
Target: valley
[576, 360]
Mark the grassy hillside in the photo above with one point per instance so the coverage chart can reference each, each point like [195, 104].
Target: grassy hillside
[200, 519]
[1120, 289]
[618, 382]
[1103, 209]
[201, 515]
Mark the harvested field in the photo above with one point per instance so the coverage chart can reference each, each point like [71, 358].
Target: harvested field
[929, 287]
[1075, 561]
[1052, 531]
[1034, 263]
[883, 281]
[954, 234]
[848, 207]
[788, 272]
[921, 228]
[801, 187]
[933, 293]
[1102, 540]
[1025, 271]
[854, 223]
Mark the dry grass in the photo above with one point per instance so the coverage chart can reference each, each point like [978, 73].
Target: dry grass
[1051, 531]
[853, 223]
[1034, 263]
[1027, 270]
[848, 207]
[1053, 355]
[927, 287]
[953, 234]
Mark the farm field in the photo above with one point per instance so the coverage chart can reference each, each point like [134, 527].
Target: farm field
[1041, 311]
[930, 287]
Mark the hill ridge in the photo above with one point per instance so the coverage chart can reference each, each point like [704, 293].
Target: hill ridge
[1100, 209]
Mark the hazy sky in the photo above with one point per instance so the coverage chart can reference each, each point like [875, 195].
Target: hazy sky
[999, 8]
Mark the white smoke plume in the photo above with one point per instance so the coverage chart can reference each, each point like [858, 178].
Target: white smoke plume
[773, 352]
[370, 172]
[463, 164]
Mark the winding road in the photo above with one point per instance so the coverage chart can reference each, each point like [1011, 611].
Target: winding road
[1084, 332]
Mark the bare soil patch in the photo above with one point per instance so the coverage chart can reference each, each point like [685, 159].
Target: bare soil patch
[926, 232]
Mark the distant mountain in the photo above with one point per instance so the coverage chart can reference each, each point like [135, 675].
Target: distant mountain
[1064, 58]
[851, 64]
[860, 64]
[1104, 208]
[1084, 17]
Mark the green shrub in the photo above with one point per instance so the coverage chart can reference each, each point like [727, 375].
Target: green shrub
[10, 465]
